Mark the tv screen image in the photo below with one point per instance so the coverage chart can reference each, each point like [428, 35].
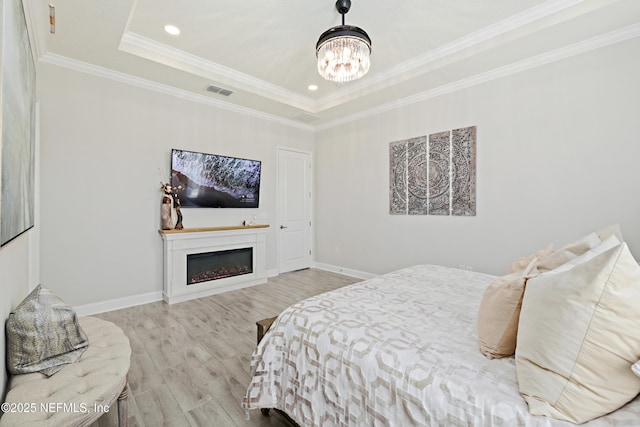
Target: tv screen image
[214, 181]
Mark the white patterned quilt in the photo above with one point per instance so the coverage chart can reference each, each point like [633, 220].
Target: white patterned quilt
[397, 350]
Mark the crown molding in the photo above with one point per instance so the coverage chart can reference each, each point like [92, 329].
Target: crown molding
[136, 44]
[35, 24]
[607, 39]
[437, 58]
[98, 71]
[161, 53]
[584, 46]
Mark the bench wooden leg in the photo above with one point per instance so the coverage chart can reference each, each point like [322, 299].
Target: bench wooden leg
[123, 414]
[263, 326]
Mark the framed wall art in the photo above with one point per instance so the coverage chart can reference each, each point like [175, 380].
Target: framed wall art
[17, 143]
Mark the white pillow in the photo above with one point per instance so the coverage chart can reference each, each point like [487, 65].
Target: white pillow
[611, 230]
[636, 368]
[610, 242]
[578, 337]
[569, 252]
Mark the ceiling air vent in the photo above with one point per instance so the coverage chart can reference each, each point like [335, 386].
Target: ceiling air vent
[219, 90]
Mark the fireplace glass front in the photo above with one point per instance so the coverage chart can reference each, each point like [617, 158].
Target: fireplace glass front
[216, 265]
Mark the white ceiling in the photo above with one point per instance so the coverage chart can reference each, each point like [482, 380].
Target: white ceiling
[264, 50]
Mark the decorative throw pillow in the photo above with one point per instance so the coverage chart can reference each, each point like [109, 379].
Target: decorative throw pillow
[569, 252]
[578, 337]
[499, 312]
[522, 263]
[43, 334]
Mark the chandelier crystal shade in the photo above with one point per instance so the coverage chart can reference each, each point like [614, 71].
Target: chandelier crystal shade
[343, 51]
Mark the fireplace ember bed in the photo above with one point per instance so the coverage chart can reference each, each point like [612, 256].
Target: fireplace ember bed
[219, 265]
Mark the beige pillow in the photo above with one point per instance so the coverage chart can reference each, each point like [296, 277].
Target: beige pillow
[499, 313]
[569, 252]
[522, 263]
[578, 337]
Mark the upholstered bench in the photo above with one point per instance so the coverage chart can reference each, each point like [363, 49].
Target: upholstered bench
[81, 392]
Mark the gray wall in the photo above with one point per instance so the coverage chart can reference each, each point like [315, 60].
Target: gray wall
[15, 268]
[106, 147]
[18, 261]
[557, 157]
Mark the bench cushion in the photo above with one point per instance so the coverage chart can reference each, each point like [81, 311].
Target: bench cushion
[73, 395]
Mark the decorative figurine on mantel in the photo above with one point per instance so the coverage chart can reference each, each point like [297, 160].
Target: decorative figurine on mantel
[249, 223]
[170, 204]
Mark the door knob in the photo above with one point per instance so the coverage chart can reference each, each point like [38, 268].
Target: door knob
[282, 227]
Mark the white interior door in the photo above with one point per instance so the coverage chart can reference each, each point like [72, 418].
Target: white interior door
[294, 210]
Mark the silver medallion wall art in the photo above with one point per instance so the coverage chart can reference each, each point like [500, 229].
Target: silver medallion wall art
[398, 177]
[463, 171]
[439, 173]
[417, 176]
[434, 175]
[17, 102]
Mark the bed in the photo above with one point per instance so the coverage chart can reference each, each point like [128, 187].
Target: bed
[400, 349]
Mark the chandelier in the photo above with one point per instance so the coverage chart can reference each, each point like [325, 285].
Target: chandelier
[343, 51]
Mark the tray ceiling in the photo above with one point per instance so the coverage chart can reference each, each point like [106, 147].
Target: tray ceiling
[264, 51]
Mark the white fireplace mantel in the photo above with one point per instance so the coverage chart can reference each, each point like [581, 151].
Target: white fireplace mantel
[180, 243]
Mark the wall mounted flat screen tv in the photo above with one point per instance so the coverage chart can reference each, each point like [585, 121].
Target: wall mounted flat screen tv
[213, 181]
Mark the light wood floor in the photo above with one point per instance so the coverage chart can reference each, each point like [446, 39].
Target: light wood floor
[190, 361]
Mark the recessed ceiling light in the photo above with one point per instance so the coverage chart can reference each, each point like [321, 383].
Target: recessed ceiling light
[313, 87]
[172, 29]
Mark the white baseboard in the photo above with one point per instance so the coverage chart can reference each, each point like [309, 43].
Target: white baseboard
[132, 301]
[117, 304]
[272, 273]
[343, 270]
[126, 302]
[208, 292]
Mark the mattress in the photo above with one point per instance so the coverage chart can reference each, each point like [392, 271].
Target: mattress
[400, 349]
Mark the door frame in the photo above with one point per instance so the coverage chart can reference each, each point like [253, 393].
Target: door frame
[279, 192]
